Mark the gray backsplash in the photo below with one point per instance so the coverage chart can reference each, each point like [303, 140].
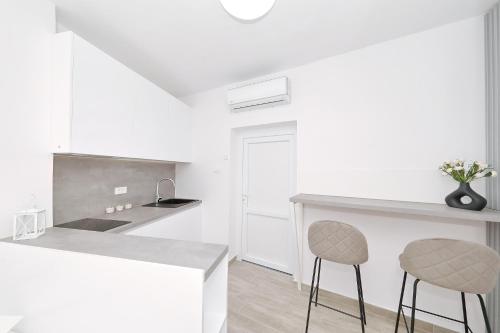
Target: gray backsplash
[84, 186]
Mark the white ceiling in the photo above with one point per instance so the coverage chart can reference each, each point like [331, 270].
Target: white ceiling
[187, 46]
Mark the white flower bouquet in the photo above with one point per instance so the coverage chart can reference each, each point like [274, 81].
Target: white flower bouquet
[463, 173]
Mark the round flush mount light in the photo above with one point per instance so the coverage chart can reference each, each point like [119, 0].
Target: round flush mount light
[247, 10]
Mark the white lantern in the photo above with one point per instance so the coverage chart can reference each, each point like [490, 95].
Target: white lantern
[29, 224]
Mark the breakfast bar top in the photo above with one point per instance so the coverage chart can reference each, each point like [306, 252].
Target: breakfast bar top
[397, 207]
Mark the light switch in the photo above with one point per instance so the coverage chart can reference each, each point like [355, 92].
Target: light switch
[120, 190]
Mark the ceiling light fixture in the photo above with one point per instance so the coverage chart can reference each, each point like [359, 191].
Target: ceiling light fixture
[247, 10]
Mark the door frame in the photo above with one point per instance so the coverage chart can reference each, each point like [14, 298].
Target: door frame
[279, 134]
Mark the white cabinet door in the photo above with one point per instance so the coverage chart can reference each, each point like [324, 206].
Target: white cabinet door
[180, 131]
[185, 225]
[104, 108]
[215, 299]
[105, 97]
[148, 126]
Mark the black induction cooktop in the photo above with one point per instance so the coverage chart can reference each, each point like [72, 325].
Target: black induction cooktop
[93, 224]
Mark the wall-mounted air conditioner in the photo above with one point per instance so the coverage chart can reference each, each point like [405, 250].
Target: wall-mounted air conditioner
[260, 94]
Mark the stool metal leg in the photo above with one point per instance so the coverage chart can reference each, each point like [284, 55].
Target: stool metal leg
[311, 294]
[360, 300]
[362, 296]
[414, 306]
[414, 309]
[400, 307]
[464, 308]
[317, 284]
[485, 314]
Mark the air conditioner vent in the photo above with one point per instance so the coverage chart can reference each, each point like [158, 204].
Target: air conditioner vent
[257, 95]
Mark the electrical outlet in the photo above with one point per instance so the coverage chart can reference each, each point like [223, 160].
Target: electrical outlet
[120, 190]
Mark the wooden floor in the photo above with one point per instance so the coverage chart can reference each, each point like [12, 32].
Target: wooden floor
[262, 300]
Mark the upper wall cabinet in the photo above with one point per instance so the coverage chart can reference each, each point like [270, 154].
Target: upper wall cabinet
[104, 108]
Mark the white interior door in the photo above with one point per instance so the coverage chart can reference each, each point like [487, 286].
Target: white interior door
[268, 183]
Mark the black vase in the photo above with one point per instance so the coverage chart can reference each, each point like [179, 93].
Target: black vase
[454, 199]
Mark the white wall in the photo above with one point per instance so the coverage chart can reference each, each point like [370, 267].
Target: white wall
[375, 122]
[25, 90]
[383, 118]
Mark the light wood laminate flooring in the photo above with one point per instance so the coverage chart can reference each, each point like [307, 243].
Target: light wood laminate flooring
[262, 300]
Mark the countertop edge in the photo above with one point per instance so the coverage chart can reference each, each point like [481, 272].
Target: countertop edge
[216, 263]
[17, 243]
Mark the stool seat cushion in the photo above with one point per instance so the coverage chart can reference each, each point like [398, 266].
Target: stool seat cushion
[453, 264]
[338, 242]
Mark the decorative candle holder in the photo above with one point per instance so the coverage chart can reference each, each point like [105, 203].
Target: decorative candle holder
[29, 224]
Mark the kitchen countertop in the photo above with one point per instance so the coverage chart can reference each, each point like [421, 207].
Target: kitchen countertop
[140, 216]
[195, 255]
[114, 243]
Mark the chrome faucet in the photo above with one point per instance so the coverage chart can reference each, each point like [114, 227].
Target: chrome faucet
[158, 198]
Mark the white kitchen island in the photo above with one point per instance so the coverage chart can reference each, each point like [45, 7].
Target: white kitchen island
[83, 281]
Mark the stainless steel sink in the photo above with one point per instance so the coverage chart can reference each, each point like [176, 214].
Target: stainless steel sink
[170, 203]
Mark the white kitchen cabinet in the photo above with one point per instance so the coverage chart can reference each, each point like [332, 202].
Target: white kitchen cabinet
[215, 300]
[117, 294]
[102, 107]
[185, 225]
